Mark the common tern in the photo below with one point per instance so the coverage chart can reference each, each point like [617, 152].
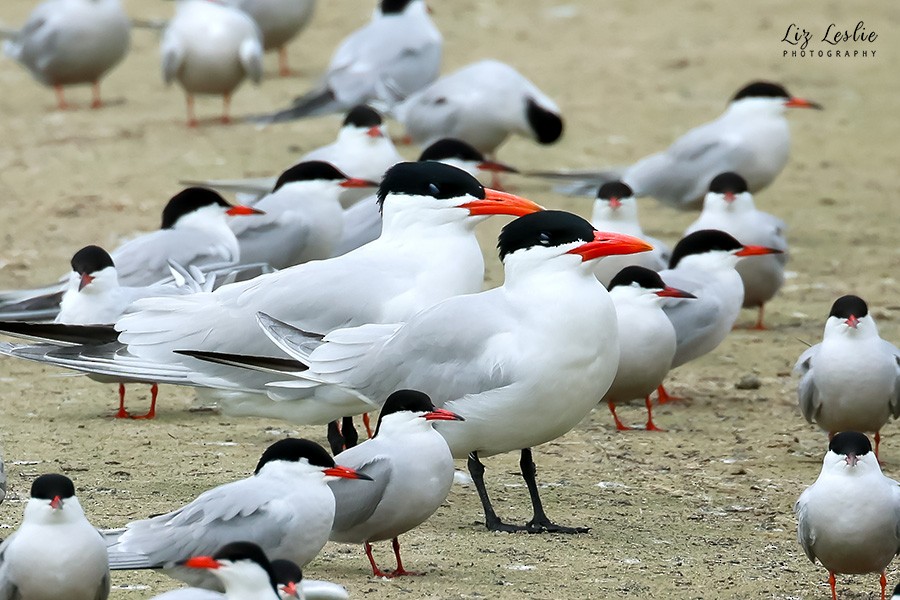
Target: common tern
[751, 137]
[850, 381]
[412, 469]
[71, 42]
[397, 53]
[615, 209]
[302, 220]
[285, 507]
[849, 519]
[279, 22]
[55, 551]
[210, 48]
[496, 358]
[646, 338]
[728, 206]
[481, 104]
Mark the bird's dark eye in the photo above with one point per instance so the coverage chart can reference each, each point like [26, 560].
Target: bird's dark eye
[544, 239]
[433, 189]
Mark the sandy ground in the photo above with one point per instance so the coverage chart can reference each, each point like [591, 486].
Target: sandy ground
[700, 511]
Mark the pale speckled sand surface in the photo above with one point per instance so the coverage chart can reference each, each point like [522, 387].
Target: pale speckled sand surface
[701, 511]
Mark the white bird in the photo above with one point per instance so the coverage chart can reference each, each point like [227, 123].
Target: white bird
[279, 22]
[71, 42]
[850, 381]
[615, 209]
[210, 48]
[302, 220]
[751, 137]
[646, 338]
[285, 507]
[291, 582]
[496, 358]
[481, 104]
[728, 207]
[703, 264]
[55, 552]
[397, 53]
[849, 519]
[412, 469]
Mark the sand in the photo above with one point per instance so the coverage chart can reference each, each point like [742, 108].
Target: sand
[702, 510]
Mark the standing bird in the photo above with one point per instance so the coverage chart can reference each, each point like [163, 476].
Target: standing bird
[481, 104]
[496, 358]
[728, 207]
[412, 469]
[646, 338]
[850, 381]
[285, 507]
[71, 42]
[752, 138]
[396, 54]
[210, 48]
[615, 209]
[55, 552]
[849, 519]
[279, 22]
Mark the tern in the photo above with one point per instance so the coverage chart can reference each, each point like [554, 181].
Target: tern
[849, 519]
[851, 380]
[279, 22]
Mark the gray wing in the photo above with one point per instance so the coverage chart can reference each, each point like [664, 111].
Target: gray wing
[807, 393]
[103, 588]
[362, 224]
[172, 51]
[895, 396]
[352, 503]
[8, 589]
[806, 537]
[691, 318]
[145, 259]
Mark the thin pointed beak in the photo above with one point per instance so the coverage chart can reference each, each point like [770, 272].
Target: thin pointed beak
[86, 280]
[615, 203]
[346, 473]
[357, 183]
[802, 103]
[243, 210]
[671, 292]
[729, 197]
[56, 503]
[291, 589]
[852, 459]
[606, 243]
[501, 203]
[375, 132]
[852, 321]
[440, 414]
[496, 167]
[756, 251]
[201, 562]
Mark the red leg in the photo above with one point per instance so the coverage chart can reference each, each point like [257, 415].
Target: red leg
[368, 425]
[664, 396]
[619, 425]
[122, 413]
[376, 572]
[400, 571]
[61, 103]
[883, 584]
[95, 90]
[831, 582]
[650, 425]
[226, 109]
[760, 326]
[154, 391]
[191, 118]
[283, 69]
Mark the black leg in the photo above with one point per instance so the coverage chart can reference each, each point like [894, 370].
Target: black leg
[335, 439]
[540, 523]
[491, 520]
[351, 437]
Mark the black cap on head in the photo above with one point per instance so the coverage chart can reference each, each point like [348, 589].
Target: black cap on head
[546, 228]
[187, 201]
[428, 179]
[236, 551]
[614, 189]
[51, 485]
[292, 449]
[850, 442]
[286, 571]
[310, 170]
[451, 148]
[401, 400]
[91, 259]
[728, 182]
[761, 89]
[848, 305]
[644, 277]
[393, 7]
[363, 116]
[547, 126]
[705, 240]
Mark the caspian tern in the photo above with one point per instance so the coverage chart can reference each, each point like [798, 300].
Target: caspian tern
[285, 507]
[210, 48]
[646, 338]
[55, 551]
[397, 53]
[481, 104]
[279, 22]
[751, 137]
[412, 469]
[615, 209]
[71, 42]
[849, 519]
[851, 380]
[728, 207]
